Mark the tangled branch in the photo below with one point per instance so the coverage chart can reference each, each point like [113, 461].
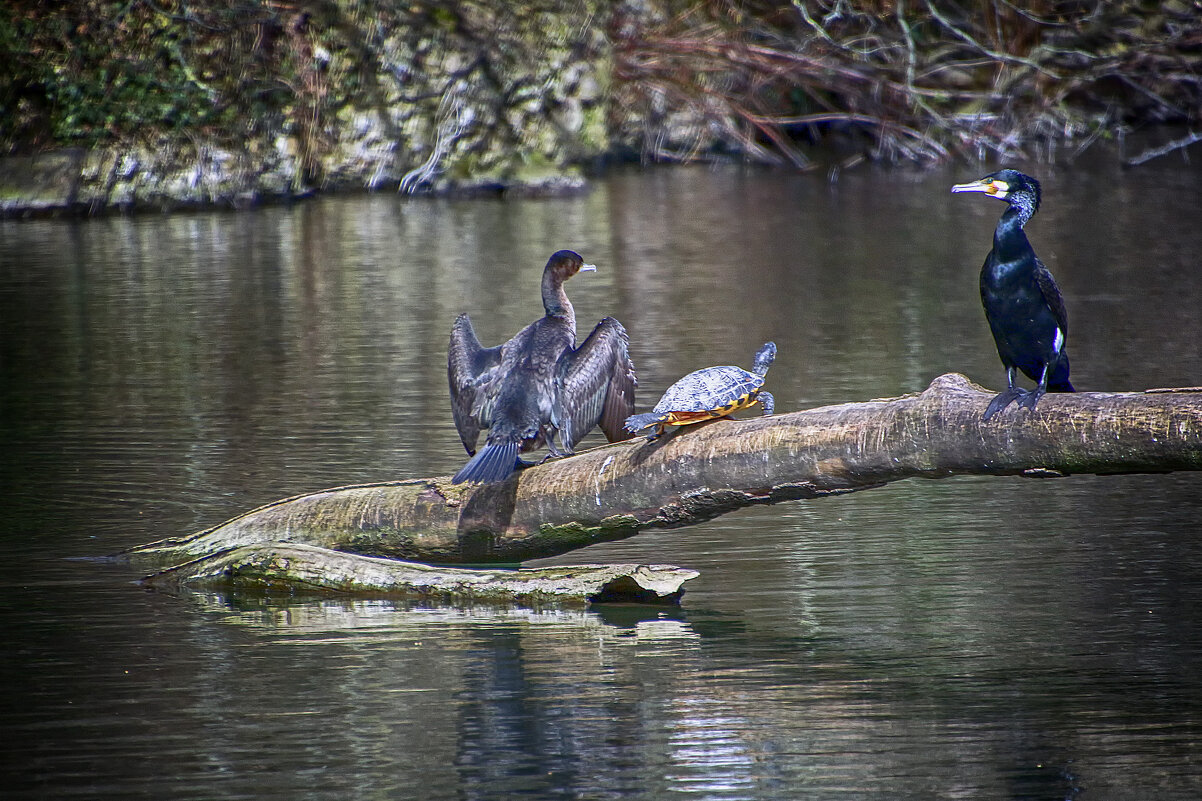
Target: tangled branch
[924, 81]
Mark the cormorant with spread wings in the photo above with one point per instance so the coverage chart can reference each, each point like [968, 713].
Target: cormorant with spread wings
[538, 388]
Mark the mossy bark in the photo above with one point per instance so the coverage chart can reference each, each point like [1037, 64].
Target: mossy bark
[703, 471]
[276, 567]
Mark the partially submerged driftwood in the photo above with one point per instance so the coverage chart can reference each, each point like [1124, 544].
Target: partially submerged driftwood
[309, 569]
[616, 490]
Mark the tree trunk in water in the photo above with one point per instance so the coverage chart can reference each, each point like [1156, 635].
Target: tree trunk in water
[705, 470]
[305, 568]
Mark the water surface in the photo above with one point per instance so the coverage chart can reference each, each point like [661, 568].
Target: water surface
[963, 638]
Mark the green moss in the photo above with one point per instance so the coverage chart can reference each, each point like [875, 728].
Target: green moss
[534, 167]
[620, 521]
[388, 542]
[594, 134]
[575, 535]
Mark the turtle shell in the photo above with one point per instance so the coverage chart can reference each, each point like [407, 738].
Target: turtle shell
[712, 392]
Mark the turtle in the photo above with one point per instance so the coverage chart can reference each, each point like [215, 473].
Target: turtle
[708, 394]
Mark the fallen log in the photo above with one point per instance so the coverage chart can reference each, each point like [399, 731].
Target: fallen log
[307, 569]
[616, 490]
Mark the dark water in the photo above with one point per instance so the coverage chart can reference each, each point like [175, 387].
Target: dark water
[966, 638]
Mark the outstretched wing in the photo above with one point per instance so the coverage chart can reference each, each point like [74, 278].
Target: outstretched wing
[467, 361]
[1051, 295]
[596, 385]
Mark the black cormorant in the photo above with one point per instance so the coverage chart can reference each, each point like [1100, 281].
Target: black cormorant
[1021, 299]
[538, 388]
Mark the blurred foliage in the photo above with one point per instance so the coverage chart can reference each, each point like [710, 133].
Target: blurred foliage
[765, 79]
[95, 71]
[911, 79]
[254, 74]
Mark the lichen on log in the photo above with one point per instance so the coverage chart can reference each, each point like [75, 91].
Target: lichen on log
[616, 490]
[296, 568]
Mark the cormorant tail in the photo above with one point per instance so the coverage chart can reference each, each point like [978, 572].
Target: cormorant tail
[637, 422]
[1058, 382]
[491, 463]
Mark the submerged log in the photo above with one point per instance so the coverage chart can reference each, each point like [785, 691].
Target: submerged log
[308, 569]
[706, 470]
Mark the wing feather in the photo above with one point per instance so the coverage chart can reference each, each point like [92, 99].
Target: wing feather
[1051, 295]
[467, 363]
[596, 385]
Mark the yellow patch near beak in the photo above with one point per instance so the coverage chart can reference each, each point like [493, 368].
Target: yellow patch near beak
[994, 187]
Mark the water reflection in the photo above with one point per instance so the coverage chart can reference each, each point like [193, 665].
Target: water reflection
[986, 638]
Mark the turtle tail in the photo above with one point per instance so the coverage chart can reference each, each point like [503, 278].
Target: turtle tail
[491, 463]
[764, 359]
[637, 422]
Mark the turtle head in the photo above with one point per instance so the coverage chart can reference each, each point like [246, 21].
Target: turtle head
[764, 358]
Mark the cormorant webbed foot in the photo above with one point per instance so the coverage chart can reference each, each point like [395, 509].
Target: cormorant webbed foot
[554, 451]
[549, 456]
[1029, 399]
[1003, 400]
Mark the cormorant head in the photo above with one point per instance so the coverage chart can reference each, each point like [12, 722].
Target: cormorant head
[566, 263]
[1008, 185]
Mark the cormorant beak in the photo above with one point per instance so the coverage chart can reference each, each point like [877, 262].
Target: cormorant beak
[588, 268]
[990, 186]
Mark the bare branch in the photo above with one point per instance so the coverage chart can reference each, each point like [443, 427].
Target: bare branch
[994, 54]
[1164, 150]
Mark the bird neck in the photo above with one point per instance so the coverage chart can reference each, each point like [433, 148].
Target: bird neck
[555, 300]
[1009, 239]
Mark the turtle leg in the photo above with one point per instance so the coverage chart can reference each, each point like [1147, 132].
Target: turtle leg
[767, 401]
[657, 433]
